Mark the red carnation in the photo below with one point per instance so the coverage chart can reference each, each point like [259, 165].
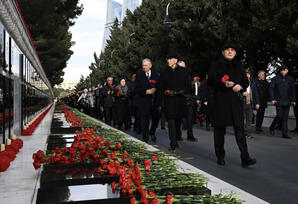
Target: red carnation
[132, 200]
[118, 93]
[225, 78]
[152, 81]
[167, 92]
[147, 164]
[4, 162]
[36, 164]
[154, 158]
[169, 199]
[197, 78]
[118, 145]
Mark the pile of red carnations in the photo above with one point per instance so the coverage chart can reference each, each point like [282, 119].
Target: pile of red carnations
[111, 159]
[9, 154]
[29, 130]
[70, 117]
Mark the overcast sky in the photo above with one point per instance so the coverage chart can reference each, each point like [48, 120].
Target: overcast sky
[88, 34]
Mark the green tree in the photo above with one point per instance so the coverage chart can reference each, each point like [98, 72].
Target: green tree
[48, 22]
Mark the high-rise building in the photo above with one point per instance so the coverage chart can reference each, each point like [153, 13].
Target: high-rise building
[130, 5]
[114, 10]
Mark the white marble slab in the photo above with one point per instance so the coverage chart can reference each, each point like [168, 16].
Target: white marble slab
[19, 181]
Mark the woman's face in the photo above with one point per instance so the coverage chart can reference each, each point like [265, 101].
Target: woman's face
[122, 82]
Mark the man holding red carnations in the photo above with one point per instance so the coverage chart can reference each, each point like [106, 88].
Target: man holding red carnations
[146, 85]
[175, 84]
[228, 79]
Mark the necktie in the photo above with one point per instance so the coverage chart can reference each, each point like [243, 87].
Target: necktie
[148, 75]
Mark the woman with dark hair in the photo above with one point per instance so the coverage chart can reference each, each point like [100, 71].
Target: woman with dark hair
[122, 96]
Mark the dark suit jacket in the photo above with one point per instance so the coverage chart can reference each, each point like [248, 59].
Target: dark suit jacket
[146, 102]
[282, 89]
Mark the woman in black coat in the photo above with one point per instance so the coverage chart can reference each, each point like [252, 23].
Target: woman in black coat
[228, 110]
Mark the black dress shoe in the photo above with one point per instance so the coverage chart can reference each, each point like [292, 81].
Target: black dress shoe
[153, 137]
[248, 162]
[163, 128]
[286, 137]
[221, 162]
[172, 149]
[295, 130]
[193, 139]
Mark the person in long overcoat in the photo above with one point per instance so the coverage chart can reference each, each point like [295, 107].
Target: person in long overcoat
[260, 93]
[174, 79]
[146, 86]
[108, 101]
[228, 79]
[121, 98]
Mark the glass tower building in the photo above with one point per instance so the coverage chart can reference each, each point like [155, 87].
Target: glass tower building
[130, 5]
[114, 10]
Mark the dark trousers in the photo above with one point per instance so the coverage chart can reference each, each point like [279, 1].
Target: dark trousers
[108, 115]
[174, 131]
[260, 117]
[154, 120]
[282, 113]
[163, 118]
[190, 120]
[296, 114]
[219, 141]
[144, 125]
[136, 125]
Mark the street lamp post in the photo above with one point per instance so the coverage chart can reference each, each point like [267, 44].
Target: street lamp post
[167, 20]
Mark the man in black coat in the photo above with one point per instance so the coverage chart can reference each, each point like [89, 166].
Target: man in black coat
[146, 85]
[260, 93]
[98, 101]
[296, 109]
[108, 101]
[174, 84]
[282, 94]
[229, 81]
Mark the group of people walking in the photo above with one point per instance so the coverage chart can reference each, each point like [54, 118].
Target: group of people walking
[228, 97]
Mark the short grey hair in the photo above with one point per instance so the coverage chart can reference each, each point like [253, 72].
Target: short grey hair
[261, 71]
[147, 60]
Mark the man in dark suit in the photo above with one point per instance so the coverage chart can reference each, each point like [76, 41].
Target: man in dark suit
[228, 79]
[146, 85]
[108, 101]
[174, 84]
[282, 94]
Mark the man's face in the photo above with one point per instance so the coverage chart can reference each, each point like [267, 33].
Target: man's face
[261, 75]
[229, 53]
[284, 72]
[146, 66]
[248, 75]
[110, 80]
[122, 82]
[172, 62]
[90, 89]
